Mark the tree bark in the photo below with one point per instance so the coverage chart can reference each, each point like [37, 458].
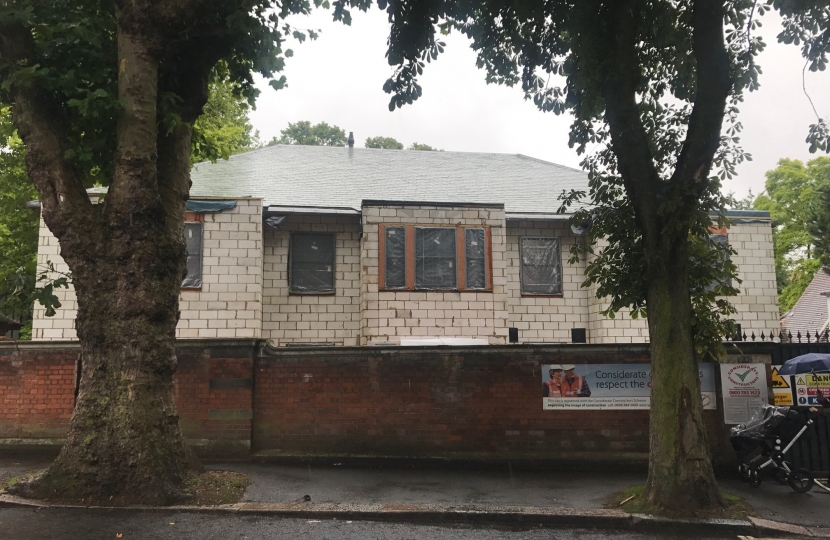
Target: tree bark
[125, 444]
[680, 470]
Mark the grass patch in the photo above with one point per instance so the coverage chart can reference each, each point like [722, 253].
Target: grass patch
[631, 500]
[211, 488]
[6, 480]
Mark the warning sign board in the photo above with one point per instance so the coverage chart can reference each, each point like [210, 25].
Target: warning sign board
[808, 386]
[782, 387]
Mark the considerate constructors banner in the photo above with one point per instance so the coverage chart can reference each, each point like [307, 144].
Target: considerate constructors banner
[609, 386]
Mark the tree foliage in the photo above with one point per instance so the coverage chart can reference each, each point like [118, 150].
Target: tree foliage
[422, 146]
[386, 143]
[807, 24]
[793, 199]
[224, 128]
[18, 224]
[304, 133]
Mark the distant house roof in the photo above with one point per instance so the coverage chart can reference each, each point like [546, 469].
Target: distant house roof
[328, 176]
[809, 314]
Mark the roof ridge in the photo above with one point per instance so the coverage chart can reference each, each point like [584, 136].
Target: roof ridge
[546, 162]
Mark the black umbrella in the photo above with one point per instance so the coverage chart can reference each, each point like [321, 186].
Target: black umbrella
[806, 363]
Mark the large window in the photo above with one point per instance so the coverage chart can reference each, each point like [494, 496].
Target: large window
[435, 258]
[435, 266]
[541, 265]
[193, 242]
[311, 263]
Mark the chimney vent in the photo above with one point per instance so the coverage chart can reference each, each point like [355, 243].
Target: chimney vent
[351, 139]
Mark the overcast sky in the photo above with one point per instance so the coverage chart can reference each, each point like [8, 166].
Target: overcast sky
[339, 77]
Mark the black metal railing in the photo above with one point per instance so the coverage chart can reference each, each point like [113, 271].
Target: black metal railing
[779, 336]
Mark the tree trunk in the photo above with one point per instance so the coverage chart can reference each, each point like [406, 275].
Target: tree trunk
[680, 474]
[125, 444]
[680, 469]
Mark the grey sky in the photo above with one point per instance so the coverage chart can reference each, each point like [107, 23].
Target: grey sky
[339, 77]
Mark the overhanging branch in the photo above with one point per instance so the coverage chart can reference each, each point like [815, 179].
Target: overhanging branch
[36, 116]
[714, 84]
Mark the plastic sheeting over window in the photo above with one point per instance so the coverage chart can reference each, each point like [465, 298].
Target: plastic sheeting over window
[720, 239]
[541, 265]
[312, 263]
[203, 206]
[474, 250]
[435, 258]
[193, 241]
[395, 257]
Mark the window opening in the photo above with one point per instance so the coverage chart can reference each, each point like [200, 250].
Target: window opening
[435, 258]
[311, 259]
[474, 251]
[541, 265]
[720, 239]
[193, 243]
[395, 272]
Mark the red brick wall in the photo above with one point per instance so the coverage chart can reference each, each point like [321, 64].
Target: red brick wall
[37, 387]
[473, 403]
[36, 392]
[211, 413]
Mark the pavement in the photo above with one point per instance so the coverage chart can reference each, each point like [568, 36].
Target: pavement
[442, 492]
[57, 524]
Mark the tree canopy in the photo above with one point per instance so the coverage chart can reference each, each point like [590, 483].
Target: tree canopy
[793, 199]
[304, 133]
[224, 128]
[386, 143]
[422, 146]
[18, 224]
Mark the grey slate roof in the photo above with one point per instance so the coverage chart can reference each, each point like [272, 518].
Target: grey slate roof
[809, 314]
[338, 176]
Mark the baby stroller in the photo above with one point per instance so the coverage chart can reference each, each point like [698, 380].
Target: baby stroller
[758, 445]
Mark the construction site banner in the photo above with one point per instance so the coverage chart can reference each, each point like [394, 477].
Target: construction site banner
[609, 386]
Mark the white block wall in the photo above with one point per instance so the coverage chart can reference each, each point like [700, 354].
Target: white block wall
[229, 304]
[386, 316]
[545, 318]
[757, 304]
[305, 318]
[62, 324]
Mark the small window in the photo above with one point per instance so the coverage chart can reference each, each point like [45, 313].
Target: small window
[720, 239]
[541, 265]
[474, 251]
[311, 259]
[395, 271]
[193, 242]
[435, 258]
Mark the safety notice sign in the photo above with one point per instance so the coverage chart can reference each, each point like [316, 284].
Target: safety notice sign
[782, 387]
[807, 386]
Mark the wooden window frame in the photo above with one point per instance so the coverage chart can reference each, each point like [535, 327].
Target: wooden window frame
[460, 257]
[196, 217]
